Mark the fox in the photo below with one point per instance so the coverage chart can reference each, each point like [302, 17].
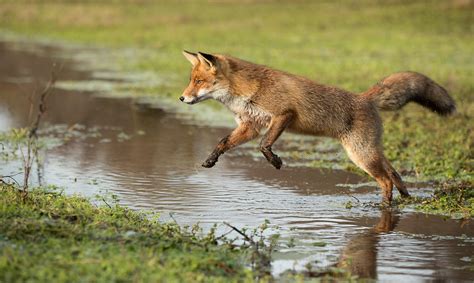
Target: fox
[268, 101]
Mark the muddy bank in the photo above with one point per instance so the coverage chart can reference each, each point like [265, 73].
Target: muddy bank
[151, 159]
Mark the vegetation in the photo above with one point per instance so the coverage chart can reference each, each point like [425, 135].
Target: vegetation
[50, 237]
[351, 44]
[452, 199]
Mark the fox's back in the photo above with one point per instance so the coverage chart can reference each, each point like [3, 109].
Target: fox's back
[323, 110]
[318, 109]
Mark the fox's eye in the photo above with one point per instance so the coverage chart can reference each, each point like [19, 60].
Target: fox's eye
[196, 81]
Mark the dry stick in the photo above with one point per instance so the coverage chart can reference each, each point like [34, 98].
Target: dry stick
[172, 217]
[241, 233]
[27, 163]
[354, 197]
[103, 199]
[13, 179]
[250, 240]
[224, 235]
[42, 106]
[39, 167]
[258, 256]
[2, 178]
[33, 133]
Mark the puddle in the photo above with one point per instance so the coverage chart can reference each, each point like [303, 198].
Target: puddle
[150, 158]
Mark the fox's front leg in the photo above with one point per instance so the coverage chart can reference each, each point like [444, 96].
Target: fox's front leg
[277, 126]
[243, 133]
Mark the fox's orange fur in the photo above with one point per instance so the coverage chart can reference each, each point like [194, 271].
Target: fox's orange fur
[264, 98]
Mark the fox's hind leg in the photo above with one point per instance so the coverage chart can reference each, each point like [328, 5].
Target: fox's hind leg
[396, 179]
[370, 158]
[363, 143]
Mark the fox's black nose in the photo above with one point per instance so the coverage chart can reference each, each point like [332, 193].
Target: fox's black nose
[181, 98]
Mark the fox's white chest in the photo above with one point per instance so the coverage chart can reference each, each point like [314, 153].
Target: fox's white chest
[245, 110]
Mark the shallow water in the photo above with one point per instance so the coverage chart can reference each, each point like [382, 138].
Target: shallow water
[151, 158]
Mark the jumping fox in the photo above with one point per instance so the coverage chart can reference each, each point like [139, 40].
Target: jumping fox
[264, 98]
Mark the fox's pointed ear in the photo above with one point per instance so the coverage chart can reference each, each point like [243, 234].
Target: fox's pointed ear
[192, 57]
[207, 59]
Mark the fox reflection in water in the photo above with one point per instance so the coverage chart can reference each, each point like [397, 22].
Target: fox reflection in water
[359, 257]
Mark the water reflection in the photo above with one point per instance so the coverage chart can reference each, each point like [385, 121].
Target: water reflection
[359, 257]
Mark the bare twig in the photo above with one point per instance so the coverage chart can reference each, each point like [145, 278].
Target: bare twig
[42, 104]
[241, 233]
[261, 255]
[354, 198]
[224, 235]
[11, 178]
[172, 217]
[103, 199]
[32, 139]
[27, 163]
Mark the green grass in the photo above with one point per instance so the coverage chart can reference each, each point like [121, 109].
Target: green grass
[455, 200]
[351, 44]
[50, 237]
[450, 199]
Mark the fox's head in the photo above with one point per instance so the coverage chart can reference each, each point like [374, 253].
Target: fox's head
[207, 78]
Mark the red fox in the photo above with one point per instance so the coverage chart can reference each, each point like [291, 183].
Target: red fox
[264, 98]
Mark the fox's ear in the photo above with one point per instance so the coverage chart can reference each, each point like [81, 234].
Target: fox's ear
[192, 57]
[208, 59]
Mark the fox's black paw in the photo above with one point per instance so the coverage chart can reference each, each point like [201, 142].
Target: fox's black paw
[209, 163]
[276, 161]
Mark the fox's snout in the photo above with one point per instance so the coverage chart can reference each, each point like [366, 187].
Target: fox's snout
[189, 95]
[195, 98]
[188, 100]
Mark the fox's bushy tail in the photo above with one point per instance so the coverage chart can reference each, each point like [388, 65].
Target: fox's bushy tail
[396, 90]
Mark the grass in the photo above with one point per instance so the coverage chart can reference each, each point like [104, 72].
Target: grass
[455, 200]
[450, 199]
[351, 44]
[50, 237]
